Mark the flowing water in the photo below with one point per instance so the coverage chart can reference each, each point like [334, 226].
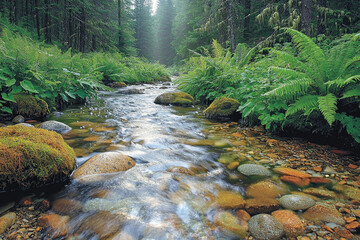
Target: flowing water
[149, 201]
[185, 184]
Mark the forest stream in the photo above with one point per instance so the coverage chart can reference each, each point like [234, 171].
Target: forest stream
[196, 179]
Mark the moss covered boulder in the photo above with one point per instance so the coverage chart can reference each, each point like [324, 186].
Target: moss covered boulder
[118, 85]
[29, 106]
[177, 99]
[222, 108]
[32, 157]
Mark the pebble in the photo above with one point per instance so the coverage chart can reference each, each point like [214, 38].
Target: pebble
[254, 170]
[265, 227]
[296, 202]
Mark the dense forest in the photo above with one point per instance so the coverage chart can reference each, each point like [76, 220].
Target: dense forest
[301, 57]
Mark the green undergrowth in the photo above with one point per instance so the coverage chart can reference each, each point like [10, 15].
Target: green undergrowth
[63, 78]
[289, 87]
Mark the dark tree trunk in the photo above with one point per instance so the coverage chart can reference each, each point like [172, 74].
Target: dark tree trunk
[47, 22]
[37, 18]
[321, 24]
[247, 11]
[120, 43]
[306, 6]
[82, 30]
[231, 21]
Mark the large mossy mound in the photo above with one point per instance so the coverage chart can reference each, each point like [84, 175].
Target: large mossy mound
[222, 108]
[177, 99]
[32, 157]
[30, 107]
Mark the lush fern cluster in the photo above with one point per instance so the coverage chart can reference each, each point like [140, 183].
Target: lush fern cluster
[304, 88]
[63, 78]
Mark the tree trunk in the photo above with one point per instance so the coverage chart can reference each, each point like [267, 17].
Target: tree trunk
[231, 21]
[37, 18]
[82, 30]
[70, 25]
[120, 43]
[305, 9]
[247, 12]
[47, 22]
[321, 24]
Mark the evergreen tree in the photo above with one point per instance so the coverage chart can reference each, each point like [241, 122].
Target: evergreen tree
[165, 16]
[144, 28]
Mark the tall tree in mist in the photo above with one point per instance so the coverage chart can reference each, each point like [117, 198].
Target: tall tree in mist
[144, 32]
[165, 16]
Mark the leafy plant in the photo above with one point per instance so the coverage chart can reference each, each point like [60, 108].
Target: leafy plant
[318, 81]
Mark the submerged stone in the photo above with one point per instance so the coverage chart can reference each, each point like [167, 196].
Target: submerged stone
[254, 170]
[261, 205]
[228, 199]
[109, 162]
[322, 212]
[292, 224]
[265, 227]
[230, 224]
[264, 189]
[296, 202]
[176, 99]
[222, 107]
[7, 221]
[320, 192]
[55, 126]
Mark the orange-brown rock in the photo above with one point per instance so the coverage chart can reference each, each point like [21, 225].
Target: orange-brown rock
[261, 205]
[7, 221]
[108, 162]
[300, 182]
[103, 224]
[320, 180]
[343, 232]
[181, 170]
[324, 213]
[352, 225]
[243, 218]
[66, 206]
[228, 199]
[292, 224]
[58, 225]
[292, 172]
[264, 189]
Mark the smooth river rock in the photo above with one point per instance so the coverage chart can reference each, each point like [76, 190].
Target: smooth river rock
[265, 227]
[264, 189]
[108, 162]
[7, 221]
[254, 170]
[292, 224]
[322, 212]
[55, 126]
[296, 202]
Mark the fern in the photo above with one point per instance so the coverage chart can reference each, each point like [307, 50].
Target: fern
[327, 106]
[306, 103]
[310, 52]
[290, 73]
[291, 90]
[352, 93]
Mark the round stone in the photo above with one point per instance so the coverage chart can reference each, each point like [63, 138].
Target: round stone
[296, 202]
[265, 227]
[254, 170]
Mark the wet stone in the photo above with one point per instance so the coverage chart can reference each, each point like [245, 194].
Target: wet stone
[229, 223]
[324, 213]
[296, 202]
[265, 227]
[254, 170]
[320, 192]
[58, 225]
[228, 199]
[261, 205]
[264, 189]
[55, 126]
[292, 224]
[66, 206]
[7, 221]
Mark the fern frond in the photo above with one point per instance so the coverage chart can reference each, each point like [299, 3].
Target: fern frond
[290, 73]
[327, 106]
[341, 58]
[306, 103]
[289, 59]
[340, 82]
[352, 62]
[291, 90]
[312, 53]
[352, 93]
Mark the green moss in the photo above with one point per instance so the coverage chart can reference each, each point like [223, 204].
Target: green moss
[30, 107]
[222, 107]
[31, 157]
[177, 99]
[118, 85]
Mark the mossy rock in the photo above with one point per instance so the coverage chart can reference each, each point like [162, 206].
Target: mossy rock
[30, 107]
[32, 158]
[118, 85]
[177, 99]
[222, 108]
